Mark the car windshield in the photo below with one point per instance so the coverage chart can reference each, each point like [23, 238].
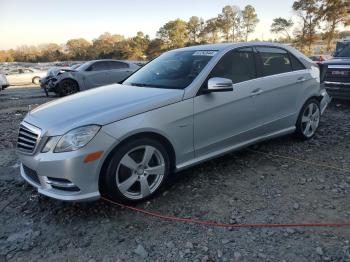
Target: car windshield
[342, 50]
[172, 70]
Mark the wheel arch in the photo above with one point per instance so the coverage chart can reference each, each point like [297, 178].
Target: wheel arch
[147, 134]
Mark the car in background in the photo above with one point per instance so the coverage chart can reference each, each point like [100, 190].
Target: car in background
[337, 71]
[124, 141]
[3, 82]
[90, 75]
[318, 59]
[53, 72]
[21, 76]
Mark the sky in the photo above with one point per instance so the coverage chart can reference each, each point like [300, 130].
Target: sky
[33, 22]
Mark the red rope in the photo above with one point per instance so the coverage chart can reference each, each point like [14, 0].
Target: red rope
[217, 224]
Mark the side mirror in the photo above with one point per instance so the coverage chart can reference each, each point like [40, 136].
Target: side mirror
[218, 84]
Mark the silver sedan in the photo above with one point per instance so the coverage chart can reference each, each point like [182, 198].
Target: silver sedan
[187, 106]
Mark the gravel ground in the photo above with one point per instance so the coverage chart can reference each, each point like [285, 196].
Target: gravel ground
[242, 187]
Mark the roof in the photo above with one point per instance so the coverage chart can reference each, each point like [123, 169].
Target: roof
[223, 46]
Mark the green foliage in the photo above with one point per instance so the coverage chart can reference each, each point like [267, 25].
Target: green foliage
[249, 20]
[174, 34]
[281, 25]
[230, 23]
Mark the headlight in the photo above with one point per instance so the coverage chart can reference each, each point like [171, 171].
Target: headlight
[76, 138]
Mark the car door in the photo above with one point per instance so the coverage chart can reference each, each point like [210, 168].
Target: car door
[119, 71]
[280, 89]
[226, 119]
[14, 77]
[97, 74]
[27, 76]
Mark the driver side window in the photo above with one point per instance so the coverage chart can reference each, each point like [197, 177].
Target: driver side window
[237, 65]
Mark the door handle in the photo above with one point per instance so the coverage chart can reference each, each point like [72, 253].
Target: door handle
[256, 92]
[301, 79]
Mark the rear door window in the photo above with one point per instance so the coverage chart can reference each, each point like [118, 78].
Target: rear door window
[274, 61]
[99, 66]
[117, 65]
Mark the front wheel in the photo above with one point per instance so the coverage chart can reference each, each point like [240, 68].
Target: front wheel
[136, 171]
[309, 119]
[67, 87]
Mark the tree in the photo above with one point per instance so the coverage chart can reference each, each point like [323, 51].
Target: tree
[138, 46]
[78, 49]
[174, 33]
[106, 45]
[249, 20]
[211, 31]
[309, 13]
[229, 22]
[194, 27]
[155, 48]
[282, 25]
[335, 13]
[50, 52]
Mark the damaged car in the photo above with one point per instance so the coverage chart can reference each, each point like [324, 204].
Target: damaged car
[90, 75]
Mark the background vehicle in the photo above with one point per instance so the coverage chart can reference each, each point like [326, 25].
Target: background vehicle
[90, 75]
[124, 141]
[318, 59]
[53, 72]
[3, 82]
[21, 76]
[337, 78]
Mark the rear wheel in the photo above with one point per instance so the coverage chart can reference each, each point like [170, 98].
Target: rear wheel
[67, 87]
[36, 80]
[309, 119]
[136, 171]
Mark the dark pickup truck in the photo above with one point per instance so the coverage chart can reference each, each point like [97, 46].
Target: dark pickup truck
[337, 72]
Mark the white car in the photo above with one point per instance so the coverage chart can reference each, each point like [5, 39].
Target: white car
[20, 76]
[3, 82]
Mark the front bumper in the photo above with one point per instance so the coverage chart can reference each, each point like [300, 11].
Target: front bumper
[338, 90]
[65, 176]
[325, 100]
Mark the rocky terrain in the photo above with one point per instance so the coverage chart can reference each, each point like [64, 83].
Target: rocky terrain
[241, 187]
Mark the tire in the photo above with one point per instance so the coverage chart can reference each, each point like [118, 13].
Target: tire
[36, 80]
[67, 87]
[131, 175]
[308, 120]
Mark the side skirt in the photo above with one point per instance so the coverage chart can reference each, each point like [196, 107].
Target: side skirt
[229, 149]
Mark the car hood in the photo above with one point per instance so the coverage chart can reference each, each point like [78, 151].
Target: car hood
[337, 61]
[99, 106]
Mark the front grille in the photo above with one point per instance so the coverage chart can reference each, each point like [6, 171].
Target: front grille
[27, 138]
[340, 75]
[31, 174]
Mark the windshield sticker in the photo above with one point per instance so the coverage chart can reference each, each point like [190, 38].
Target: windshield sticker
[204, 53]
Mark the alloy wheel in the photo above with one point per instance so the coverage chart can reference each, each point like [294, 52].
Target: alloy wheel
[140, 172]
[310, 119]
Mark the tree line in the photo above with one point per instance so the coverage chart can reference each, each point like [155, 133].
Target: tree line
[317, 20]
